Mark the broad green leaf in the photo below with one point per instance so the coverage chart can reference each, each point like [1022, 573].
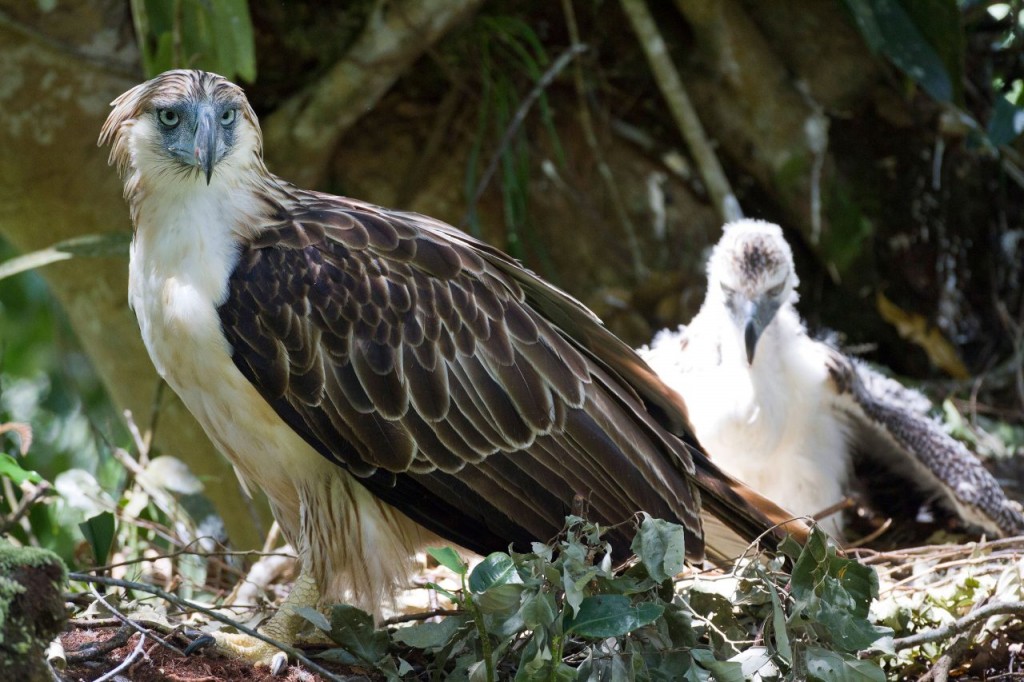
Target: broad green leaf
[99, 532]
[495, 569]
[214, 35]
[315, 617]
[539, 610]
[843, 609]
[353, 629]
[1006, 122]
[500, 599]
[723, 671]
[890, 31]
[9, 468]
[429, 635]
[660, 546]
[449, 558]
[779, 623]
[106, 244]
[823, 665]
[611, 616]
[808, 568]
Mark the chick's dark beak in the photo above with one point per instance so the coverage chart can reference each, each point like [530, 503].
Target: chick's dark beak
[754, 317]
[206, 141]
[751, 333]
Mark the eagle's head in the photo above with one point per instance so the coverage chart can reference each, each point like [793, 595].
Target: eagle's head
[751, 274]
[191, 125]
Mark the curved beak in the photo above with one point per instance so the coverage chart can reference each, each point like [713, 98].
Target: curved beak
[754, 317]
[205, 141]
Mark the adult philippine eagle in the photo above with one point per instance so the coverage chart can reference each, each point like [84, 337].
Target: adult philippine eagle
[383, 377]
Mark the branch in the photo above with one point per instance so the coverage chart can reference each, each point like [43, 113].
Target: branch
[517, 121]
[679, 103]
[1015, 608]
[587, 123]
[184, 603]
[302, 133]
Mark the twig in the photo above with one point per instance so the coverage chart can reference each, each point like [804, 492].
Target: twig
[679, 103]
[128, 660]
[517, 121]
[184, 603]
[185, 551]
[130, 623]
[411, 617]
[961, 625]
[24, 504]
[952, 654]
[587, 123]
[95, 649]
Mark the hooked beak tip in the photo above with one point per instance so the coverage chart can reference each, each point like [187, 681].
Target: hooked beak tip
[750, 336]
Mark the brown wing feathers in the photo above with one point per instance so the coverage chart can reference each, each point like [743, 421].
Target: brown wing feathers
[408, 353]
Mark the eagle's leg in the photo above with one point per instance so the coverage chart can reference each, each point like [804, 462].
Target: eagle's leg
[283, 627]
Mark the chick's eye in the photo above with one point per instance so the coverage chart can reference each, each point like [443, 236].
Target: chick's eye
[776, 290]
[168, 118]
[728, 291]
[228, 117]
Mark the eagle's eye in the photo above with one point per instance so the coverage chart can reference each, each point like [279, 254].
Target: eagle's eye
[776, 290]
[728, 291]
[228, 117]
[168, 118]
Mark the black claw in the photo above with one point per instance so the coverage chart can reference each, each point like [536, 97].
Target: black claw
[201, 642]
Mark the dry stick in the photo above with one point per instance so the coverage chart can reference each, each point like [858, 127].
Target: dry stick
[952, 654]
[178, 601]
[23, 506]
[517, 121]
[587, 123]
[679, 103]
[94, 649]
[130, 623]
[425, 615]
[961, 625]
[128, 660]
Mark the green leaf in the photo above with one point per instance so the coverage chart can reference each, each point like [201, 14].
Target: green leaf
[1006, 123]
[9, 468]
[611, 616]
[723, 671]
[840, 613]
[99, 532]
[429, 635]
[495, 569]
[214, 35]
[779, 622]
[539, 610]
[315, 617]
[890, 31]
[449, 558]
[660, 545]
[105, 244]
[830, 666]
[440, 590]
[500, 599]
[353, 629]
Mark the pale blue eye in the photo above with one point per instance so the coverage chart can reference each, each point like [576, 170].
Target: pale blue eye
[228, 117]
[168, 118]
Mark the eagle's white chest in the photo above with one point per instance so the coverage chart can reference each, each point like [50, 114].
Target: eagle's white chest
[768, 424]
[181, 258]
[184, 251]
